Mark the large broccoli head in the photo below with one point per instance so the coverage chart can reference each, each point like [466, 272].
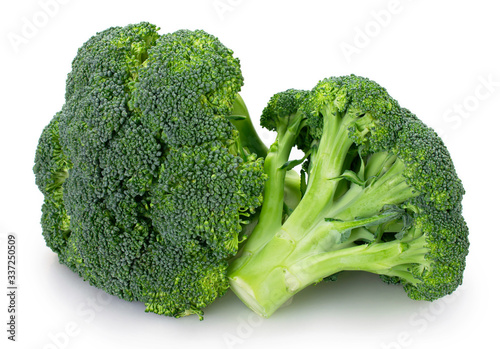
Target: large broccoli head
[145, 191]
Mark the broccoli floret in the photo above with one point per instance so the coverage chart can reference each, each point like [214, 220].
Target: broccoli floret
[52, 168]
[380, 195]
[147, 183]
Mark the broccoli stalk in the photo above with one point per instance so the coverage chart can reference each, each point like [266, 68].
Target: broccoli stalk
[322, 238]
[381, 196]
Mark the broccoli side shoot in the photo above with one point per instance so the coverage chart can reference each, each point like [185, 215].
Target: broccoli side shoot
[381, 196]
[283, 185]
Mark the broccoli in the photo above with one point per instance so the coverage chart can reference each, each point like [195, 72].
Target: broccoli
[151, 168]
[380, 194]
[158, 189]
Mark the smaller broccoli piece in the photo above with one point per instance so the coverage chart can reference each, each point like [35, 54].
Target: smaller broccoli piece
[381, 196]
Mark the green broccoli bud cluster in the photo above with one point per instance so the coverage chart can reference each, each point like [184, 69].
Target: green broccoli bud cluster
[145, 193]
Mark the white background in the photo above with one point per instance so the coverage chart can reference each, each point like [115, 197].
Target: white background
[440, 59]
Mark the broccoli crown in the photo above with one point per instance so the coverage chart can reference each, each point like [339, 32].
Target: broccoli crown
[145, 193]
